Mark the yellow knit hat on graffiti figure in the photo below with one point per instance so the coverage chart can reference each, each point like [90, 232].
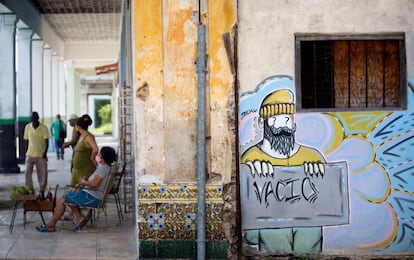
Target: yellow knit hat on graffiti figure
[277, 103]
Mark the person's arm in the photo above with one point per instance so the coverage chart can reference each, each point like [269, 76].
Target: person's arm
[95, 182]
[75, 138]
[46, 148]
[26, 138]
[91, 143]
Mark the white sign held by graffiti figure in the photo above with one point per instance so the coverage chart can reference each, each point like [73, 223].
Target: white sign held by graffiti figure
[290, 198]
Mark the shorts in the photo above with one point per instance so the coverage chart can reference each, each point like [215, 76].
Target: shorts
[82, 199]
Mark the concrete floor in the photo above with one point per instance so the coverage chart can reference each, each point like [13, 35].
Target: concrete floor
[105, 239]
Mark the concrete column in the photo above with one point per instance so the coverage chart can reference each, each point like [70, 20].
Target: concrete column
[37, 76]
[47, 86]
[8, 162]
[55, 85]
[62, 90]
[24, 90]
[47, 92]
[72, 89]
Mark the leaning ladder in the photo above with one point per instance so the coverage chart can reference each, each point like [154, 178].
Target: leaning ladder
[126, 147]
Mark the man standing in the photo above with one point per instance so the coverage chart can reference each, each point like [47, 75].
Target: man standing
[56, 128]
[75, 135]
[37, 137]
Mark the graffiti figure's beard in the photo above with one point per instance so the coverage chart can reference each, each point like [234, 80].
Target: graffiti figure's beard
[282, 139]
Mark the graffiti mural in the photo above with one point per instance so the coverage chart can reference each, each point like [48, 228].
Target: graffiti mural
[314, 182]
[299, 191]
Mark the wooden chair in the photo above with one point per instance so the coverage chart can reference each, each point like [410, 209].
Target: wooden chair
[102, 200]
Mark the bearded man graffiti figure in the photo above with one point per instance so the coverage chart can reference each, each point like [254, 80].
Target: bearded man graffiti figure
[278, 148]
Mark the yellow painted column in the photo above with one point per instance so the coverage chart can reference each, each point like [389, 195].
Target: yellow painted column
[165, 52]
[180, 84]
[221, 20]
[148, 88]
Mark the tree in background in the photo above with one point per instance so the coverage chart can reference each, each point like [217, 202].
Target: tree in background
[105, 113]
[103, 117]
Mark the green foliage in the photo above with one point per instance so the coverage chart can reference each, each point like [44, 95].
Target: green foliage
[105, 113]
[106, 128]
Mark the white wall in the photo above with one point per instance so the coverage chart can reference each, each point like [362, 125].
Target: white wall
[267, 28]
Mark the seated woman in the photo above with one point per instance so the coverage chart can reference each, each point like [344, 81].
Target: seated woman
[94, 189]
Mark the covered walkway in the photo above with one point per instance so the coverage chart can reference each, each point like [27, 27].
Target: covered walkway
[109, 240]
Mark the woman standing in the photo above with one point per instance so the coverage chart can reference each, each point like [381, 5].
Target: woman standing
[84, 163]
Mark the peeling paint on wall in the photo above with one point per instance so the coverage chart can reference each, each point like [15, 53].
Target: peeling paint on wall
[166, 93]
[149, 115]
[165, 50]
[143, 92]
[222, 18]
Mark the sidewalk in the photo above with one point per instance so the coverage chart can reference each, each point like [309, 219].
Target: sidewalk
[109, 240]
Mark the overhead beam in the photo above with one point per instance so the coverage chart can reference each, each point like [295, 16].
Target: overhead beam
[87, 51]
[92, 55]
[32, 18]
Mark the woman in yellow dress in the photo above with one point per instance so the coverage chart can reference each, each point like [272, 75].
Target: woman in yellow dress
[86, 149]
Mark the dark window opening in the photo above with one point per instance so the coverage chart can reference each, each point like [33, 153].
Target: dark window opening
[350, 74]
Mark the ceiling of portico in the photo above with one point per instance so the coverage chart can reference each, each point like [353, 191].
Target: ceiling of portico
[83, 21]
[83, 33]
[89, 29]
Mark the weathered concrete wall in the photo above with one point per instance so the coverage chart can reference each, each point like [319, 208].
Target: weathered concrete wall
[376, 146]
[166, 88]
[165, 108]
[165, 115]
[148, 85]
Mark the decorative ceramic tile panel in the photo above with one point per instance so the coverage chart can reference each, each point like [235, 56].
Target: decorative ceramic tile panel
[169, 212]
[178, 192]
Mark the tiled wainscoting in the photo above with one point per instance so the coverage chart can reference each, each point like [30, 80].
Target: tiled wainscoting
[168, 221]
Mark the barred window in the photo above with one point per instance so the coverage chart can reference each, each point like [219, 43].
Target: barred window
[358, 72]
